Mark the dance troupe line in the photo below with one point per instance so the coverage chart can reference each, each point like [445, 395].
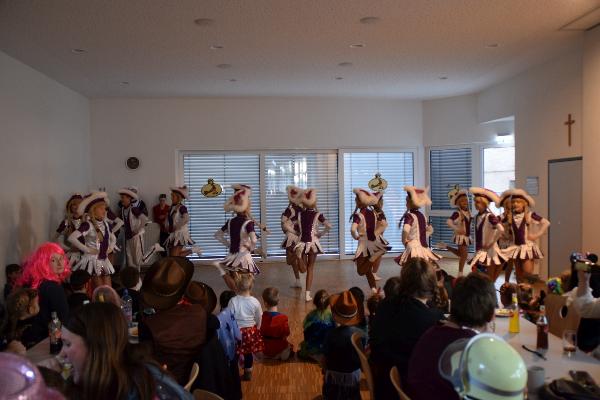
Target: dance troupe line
[89, 232]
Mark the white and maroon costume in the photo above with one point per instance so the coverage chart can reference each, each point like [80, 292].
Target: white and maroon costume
[64, 230]
[309, 220]
[488, 230]
[380, 228]
[364, 224]
[506, 240]
[523, 225]
[460, 221]
[416, 230]
[289, 218]
[177, 222]
[240, 229]
[134, 221]
[96, 235]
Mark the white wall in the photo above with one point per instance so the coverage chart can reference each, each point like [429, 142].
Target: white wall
[156, 129]
[591, 140]
[44, 156]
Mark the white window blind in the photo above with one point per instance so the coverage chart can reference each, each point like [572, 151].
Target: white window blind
[447, 167]
[305, 170]
[207, 214]
[398, 170]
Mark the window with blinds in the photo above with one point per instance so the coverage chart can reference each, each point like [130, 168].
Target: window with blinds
[398, 170]
[305, 170]
[207, 214]
[447, 167]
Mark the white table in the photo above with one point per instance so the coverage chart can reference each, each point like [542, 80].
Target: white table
[557, 364]
[40, 355]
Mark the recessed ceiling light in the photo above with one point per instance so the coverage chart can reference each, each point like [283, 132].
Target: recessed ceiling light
[124, 83]
[369, 20]
[345, 64]
[357, 45]
[78, 51]
[492, 45]
[233, 80]
[443, 78]
[204, 21]
[216, 47]
[224, 66]
[339, 78]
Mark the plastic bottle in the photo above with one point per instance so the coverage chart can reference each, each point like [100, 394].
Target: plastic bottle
[513, 322]
[54, 332]
[127, 307]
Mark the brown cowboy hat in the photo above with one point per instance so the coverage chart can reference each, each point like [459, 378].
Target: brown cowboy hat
[166, 281]
[345, 309]
[201, 293]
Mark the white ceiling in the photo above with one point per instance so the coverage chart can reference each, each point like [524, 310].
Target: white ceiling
[285, 47]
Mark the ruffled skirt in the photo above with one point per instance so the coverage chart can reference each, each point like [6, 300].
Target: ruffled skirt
[370, 248]
[306, 247]
[252, 341]
[488, 257]
[529, 251]
[94, 266]
[290, 240]
[460, 240]
[74, 257]
[415, 250]
[240, 262]
[179, 238]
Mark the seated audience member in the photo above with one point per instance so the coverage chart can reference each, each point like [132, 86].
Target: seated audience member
[316, 325]
[106, 294]
[13, 273]
[340, 362]
[399, 323]
[473, 305]
[21, 307]
[216, 374]
[177, 330]
[391, 286]
[79, 283]
[359, 296]
[274, 327]
[46, 270]
[130, 280]
[95, 341]
[248, 315]
[587, 306]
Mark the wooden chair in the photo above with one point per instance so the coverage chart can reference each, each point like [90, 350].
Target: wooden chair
[364, 361]
[557, 324]
[193, 375]
[200, 394]
[395, 378]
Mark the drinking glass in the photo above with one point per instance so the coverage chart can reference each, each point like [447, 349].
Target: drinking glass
[569, 342]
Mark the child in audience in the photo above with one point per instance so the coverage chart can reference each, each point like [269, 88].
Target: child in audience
[274, 327]
[21, 306]
[130, 279]
[106, 294]
[372, 303]
[248, 314]
[79, 282]
[340, 361]
[316, 325]
[229, 332]
[13, 273]
[359, 296]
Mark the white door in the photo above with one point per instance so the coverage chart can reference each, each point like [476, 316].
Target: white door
[564, 203]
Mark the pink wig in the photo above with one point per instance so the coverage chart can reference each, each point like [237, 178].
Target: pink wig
[37, 269]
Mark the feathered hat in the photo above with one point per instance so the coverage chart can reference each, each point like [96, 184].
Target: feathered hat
[239, 200]
[129, 192]
[487, 193]
[505, 195]
[294, 194]
[521, 194]
[418, 196]
[181, 190]
[367, 198]
[74, 196]
[309, 198]
[90, 200]
[456, 194]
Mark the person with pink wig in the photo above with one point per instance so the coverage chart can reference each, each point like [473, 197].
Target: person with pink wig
[45, 270]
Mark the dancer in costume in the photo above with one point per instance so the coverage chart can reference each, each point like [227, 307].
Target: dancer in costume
[506, 240]
[67, 226]
[289, 225]
[364, 223]
[460, 223]
[178, 225]
[380, 228]
[416, 230]
[309, 245]
[94, 239]
[527, 228]
[242, 237]
[134, 223]
[488, 230]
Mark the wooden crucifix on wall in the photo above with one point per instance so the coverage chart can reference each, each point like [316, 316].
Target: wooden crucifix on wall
[569, 122]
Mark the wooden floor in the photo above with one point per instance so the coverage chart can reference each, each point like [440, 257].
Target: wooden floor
[298, 379]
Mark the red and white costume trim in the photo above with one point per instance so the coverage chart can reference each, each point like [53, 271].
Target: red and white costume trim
[488, 229]
[289, 218]
[309, 220]
[134, 222]
[364, 224]
[460, 221]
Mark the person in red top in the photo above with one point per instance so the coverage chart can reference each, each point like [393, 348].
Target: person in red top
[274, 328]
[160, 212]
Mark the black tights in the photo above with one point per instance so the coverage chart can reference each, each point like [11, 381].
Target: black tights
[248, 361]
